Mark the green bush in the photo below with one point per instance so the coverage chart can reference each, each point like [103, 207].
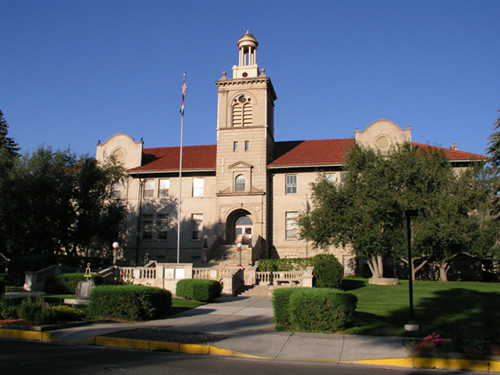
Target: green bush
[36, 311]
[285, 264]
[321, 310]
[128, 302]
[281, 303]
[328, 272]
[8, 310]
[66, 313]
[198, 290]
[68, 282]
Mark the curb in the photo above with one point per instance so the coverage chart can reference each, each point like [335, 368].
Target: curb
[202, 349]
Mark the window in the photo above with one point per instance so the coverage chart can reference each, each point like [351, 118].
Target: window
[149, 189]
[162, 226]
[291, 224]
[147, 227]
[242, 111]
[164, 187]
[291, 184]
[117, 190]
[247, 145]
[239, 184]
[196, 226]
[198, 184]
[235, 146]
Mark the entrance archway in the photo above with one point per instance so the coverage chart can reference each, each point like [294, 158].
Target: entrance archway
[239, 227]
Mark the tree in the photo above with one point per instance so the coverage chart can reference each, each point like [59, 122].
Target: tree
[493, 169]
[6, 142]
[8, 155]
[62, 204]
[366, 211]
[361, 212]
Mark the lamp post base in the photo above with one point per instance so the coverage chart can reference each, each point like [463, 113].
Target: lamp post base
[412, 327]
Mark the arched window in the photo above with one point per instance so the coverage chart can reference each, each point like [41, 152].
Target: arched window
[242, 111]
[239, 184]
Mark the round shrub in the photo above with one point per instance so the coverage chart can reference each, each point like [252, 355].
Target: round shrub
[321, 310]
[328, 272]
[66, 313]
[198, 290]
[128, 302]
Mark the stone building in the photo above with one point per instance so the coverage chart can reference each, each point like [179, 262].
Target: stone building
[247, 188]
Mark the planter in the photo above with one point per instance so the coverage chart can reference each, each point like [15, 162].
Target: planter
[383, 281]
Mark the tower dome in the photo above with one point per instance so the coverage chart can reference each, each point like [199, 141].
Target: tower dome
[248, 40]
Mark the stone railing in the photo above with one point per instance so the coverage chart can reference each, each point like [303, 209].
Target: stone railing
[211, 273]
[233, 282]
[35, 280]
[303, 278]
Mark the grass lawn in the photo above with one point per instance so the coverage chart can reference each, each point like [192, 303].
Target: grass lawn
[453, 309]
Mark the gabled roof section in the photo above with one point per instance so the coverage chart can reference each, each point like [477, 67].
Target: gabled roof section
[198, 158]
[327, 152]
[310, 153]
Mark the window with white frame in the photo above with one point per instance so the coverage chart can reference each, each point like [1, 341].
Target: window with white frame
[196, 226]
[331, 177]
[291, 224]
[147, 227]
[164, 187]
[162, 226]
[239, 183]
[149, 189]
[247, 145]
[198, 184]
[291, 184]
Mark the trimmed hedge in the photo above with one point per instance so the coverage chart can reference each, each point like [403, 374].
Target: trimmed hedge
[285, 264]
[68, 282]
[128, 302]
[198, 290]
[328, 272]
[318, 310]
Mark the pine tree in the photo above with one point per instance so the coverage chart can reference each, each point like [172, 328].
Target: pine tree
[6, 142]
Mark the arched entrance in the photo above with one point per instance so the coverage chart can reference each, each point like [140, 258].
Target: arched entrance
[239, 227]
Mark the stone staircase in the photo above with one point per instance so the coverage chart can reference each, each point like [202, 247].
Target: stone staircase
[257, 291]
[226, 256]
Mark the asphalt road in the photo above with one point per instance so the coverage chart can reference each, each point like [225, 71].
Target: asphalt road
[27, 357]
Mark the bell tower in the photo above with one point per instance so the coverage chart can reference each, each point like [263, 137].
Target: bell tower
[245, 137]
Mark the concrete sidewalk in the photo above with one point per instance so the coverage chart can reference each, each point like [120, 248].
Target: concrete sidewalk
[248, 321]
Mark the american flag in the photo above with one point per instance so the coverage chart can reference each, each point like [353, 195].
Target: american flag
[184, 88]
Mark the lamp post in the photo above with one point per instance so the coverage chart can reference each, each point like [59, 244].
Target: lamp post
[116, 245]
[239, 254]
[205, 244]
[250, 243]
[412, 324]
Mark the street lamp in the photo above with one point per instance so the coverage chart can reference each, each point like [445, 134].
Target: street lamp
[116, 245]
[205, 244]
[412, 324]
[239, 254]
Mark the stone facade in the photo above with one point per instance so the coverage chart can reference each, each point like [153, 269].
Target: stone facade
[247, 186]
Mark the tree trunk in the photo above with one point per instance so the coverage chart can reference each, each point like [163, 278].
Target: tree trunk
[443, 271]
[376, 265]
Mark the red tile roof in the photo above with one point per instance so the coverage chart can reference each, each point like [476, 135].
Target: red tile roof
[309, 153]
[321, 152]
[167, 158]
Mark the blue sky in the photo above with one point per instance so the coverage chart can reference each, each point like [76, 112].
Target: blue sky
[76, 72]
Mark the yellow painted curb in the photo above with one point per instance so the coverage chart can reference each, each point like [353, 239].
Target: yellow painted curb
[122, 343]
[435, 363]
[25, 335]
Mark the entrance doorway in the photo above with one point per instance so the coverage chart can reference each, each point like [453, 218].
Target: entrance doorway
[243, 228]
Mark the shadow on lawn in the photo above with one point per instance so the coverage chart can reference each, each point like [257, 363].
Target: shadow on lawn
[462, 315]
[351, 284]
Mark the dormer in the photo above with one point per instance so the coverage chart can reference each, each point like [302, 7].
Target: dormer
[383, 135]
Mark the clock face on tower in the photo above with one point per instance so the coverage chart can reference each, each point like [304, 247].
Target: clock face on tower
[245, 74]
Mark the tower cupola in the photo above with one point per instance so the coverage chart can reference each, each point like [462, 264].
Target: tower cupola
[247, 62]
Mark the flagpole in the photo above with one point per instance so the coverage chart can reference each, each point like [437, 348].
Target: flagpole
[184, 88]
